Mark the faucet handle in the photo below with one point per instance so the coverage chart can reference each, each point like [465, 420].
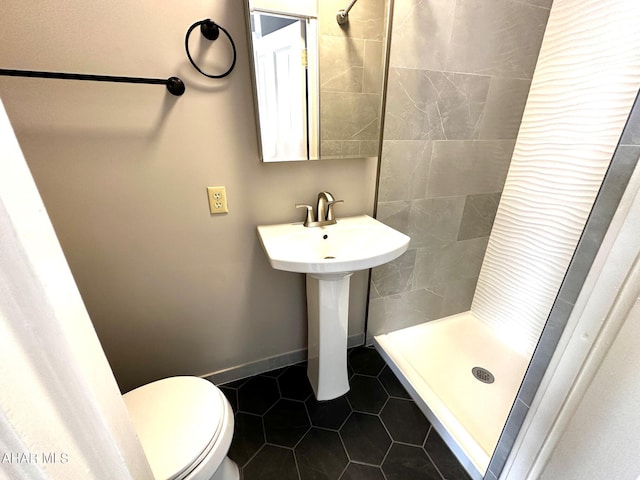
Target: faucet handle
[330, 205]
[309, 212]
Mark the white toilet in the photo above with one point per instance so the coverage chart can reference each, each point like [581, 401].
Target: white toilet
[185, 426]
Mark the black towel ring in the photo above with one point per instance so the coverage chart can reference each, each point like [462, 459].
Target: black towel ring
[211, 31]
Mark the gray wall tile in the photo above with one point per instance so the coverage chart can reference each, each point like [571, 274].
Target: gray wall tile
[395, 214]
[340, 148]
[500, 38]
[341, 64]
[556, 322]
[490, 476]
[458, 81]
[507, 438]
[405, 170]
[622, 165]
[460, 99]
[411, 107]
[434, 222]
[407, 308]
[430, 105]
[369, 148]
[344, 116]
[615, 181]
[469, 167]
[351, 76]
[504, 108]
[537, 3]
[373, 67]
[366, 19]
[393, 277]
[631, 135]
[440, 265]
[456, 295]
[417, 24]
[478, 215]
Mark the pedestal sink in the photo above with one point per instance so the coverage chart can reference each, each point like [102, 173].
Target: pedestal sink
[328, 255]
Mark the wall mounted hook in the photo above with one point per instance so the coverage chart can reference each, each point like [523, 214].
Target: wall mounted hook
[209, 30]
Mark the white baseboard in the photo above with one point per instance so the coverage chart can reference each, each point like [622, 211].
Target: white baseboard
[271, 363]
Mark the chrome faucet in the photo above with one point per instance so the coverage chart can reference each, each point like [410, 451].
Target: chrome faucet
[324, 209]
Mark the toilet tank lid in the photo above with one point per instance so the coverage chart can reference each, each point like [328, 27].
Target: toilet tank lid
[177, 420]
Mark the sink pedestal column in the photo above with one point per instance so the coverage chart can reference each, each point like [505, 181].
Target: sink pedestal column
[328, 311]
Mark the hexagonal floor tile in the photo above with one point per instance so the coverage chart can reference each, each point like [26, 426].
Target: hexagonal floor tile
[258, 394]
[405, 422]
[329, 413]
[365, 438]
[294, 383]
[355, 471]
[345, 438]
[391, 384]
[320, 455]
[444, 459]
[366, 361]
[248, 437]
[366, 394]
[286, 423]
[271, 463]
[405, 462]
[275, 373]
[232, 396]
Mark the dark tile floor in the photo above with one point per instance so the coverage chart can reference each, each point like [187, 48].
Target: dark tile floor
[374, 432]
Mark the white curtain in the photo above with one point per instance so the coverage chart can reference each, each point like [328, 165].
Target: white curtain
[61, 413]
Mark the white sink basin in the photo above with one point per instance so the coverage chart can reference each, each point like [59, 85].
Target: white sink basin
[329, 255]
[351, 244]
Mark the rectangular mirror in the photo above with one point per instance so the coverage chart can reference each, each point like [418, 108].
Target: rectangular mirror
[318, 83]
[285, 78]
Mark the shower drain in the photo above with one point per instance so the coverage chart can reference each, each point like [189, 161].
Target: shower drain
[482, 374]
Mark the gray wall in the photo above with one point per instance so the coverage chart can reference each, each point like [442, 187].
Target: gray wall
[351, 74]
[458, 82]
[123, 171]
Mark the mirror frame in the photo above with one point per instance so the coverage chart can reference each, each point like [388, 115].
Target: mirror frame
[304, 13]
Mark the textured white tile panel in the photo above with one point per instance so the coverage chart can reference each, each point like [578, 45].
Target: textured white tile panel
[585, 81]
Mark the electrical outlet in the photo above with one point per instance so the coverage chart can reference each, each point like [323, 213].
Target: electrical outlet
[217, 199]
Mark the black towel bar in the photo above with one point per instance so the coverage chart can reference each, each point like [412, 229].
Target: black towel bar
[174, 85]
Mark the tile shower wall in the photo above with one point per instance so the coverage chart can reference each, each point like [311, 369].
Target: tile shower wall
[624, 162]
[351, 74]
[459, 76]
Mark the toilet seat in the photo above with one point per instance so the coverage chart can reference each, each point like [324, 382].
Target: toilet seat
[179, 420]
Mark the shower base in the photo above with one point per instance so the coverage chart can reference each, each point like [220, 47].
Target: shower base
[434, 361]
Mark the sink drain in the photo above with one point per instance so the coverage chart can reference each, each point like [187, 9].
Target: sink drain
[482, 374]
[329, 257]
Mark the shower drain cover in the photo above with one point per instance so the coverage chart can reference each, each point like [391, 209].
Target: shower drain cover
[482, 374]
